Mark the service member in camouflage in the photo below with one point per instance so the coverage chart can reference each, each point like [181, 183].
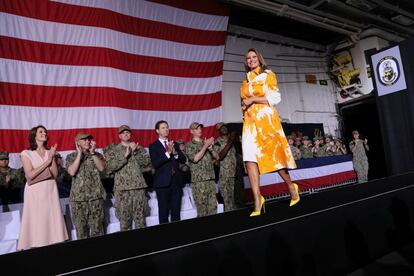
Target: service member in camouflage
[318, 149]
[360, 159]
[323, 147]
[293, 148]
[329, 145]
[306, 148]
[227, 162]
[339, 148]
[201, 155]
[11, 181]
[87, 193]
[127, 161]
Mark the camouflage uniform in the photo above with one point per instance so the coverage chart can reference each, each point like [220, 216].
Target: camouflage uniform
[329, 145]
[184, 167]
[295, 152]
[329, 149]
[129, 188]
[306, 152]
[338, 150]
[321, 150]
[10, 190]
[107, 173]
[17, 178]
[86, 197]
[360, 160]
[293, 147]
[202, 179]
[227, 173]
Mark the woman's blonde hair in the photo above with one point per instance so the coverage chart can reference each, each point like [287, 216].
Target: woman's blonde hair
[262, 62]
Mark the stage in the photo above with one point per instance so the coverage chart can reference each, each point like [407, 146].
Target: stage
[335, 232]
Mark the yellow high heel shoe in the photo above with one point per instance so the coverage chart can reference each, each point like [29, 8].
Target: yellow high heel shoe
[294, 201]
[262, 206]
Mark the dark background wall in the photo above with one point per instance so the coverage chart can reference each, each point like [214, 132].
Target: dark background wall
[396, 117]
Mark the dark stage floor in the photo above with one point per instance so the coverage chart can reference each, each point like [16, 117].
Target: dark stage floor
[335, 232]
[399, 262]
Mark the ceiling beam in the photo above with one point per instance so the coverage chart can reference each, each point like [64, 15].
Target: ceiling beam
[394, 8]
[316, 3]
[344, 21]
[371, 16]
[301, 16]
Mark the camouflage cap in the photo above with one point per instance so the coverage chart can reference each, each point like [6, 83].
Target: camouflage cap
[123, 128]
[82, 135]
[289, 137]
[316, 138]
[305, 138]
[195, 125]
[219, 125]
[4, 155]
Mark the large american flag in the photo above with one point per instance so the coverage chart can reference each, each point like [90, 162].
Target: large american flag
[93, 65]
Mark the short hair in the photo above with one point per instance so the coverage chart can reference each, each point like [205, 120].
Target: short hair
[262, 62]
[32, 138]
[157, 124]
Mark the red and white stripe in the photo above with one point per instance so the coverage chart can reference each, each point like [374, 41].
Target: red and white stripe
[309, 178]
[93, 65]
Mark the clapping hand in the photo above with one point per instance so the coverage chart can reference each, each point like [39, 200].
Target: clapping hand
[208, 143]
[171, 148]
[78, 148]
[53, 150]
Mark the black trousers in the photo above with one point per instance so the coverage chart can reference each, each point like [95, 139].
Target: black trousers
[169, 201]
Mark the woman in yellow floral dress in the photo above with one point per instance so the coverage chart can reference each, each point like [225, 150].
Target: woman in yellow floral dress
[265, 148]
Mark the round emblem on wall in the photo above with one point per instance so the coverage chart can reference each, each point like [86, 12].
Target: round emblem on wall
[388, 70]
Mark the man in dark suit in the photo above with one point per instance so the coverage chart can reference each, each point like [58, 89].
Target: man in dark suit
[165, 156]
